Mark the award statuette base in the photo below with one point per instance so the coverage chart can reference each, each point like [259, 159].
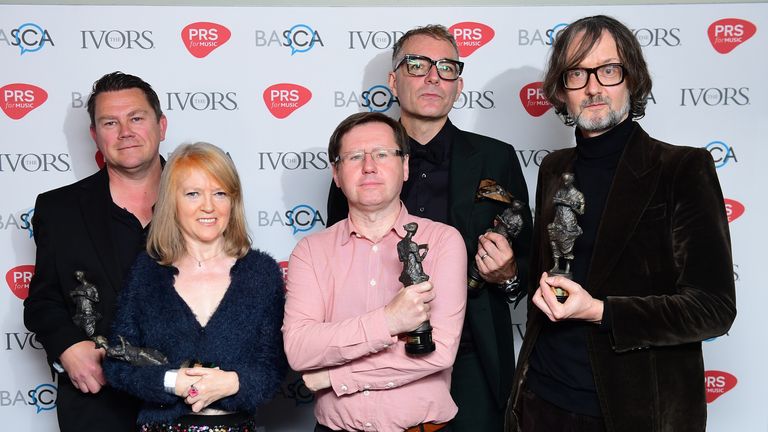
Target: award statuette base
[560, 294]
[419, 341]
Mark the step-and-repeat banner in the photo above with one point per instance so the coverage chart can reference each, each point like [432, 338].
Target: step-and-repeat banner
[270, 84]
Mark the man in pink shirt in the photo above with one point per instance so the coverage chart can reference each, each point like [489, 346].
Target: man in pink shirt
[346, 313]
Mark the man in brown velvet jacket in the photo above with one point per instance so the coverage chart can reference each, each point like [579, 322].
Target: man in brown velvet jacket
[652, 273]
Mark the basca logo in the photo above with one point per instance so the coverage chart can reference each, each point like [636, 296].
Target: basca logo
[378, 98]
[713, 96]
[292, 161]
[18, 280]
[733, 209]
[201, 38]
[300, 218]
[718, 383]
[472, 99]
[721, 153]
[19, 99]
[728, 33]
[117, 39]
[283, 99]
[21, 221]
[201, 101]
[546, 37]
[34, 162]
[300, 38]
[470, 36]
[21, 341]
[29, 37]
[284, 270]
[533, 99]
[298, 392]
[528, 157]
[378, 39]
[653, 37]
[42, 397]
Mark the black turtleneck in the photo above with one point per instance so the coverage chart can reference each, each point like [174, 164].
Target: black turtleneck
[560, 370]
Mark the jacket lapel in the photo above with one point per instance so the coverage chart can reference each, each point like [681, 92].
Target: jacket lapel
[633, 187]
[95, 199]
[464, 179]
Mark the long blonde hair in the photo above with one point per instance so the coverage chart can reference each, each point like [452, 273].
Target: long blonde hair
[165, 242]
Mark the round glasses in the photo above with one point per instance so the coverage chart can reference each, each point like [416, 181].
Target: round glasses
[417, 65]
[607, 75]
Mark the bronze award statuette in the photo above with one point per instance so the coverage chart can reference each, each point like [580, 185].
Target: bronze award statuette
[86, 295]
[564, 229]
[418, 341]
[509, 224]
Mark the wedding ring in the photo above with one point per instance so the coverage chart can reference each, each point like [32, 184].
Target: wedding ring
[484, 256]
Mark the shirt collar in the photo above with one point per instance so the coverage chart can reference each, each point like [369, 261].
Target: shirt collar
[348, 229]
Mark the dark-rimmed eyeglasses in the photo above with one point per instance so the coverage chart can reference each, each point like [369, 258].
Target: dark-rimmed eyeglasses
[607, 75]
[417, 65]
[379, 155]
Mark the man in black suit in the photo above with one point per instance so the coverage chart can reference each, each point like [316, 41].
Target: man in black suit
[97, 226]
[447, 165]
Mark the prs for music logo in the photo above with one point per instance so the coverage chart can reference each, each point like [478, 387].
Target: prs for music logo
[533, 99]
[728, 33]
[18, 280]
[285, 98]
[470, 36]
[201, 38]
[718, 383]
[19, 99]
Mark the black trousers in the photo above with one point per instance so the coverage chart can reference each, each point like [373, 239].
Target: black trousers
[108, 410]
[538, 415]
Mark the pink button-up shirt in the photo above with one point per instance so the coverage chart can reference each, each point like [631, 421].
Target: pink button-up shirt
[338, 285]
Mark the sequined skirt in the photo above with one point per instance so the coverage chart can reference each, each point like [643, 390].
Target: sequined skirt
[198, 423]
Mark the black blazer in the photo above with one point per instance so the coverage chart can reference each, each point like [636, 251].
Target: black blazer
[662, 263]
[71, 230]
[473, 158]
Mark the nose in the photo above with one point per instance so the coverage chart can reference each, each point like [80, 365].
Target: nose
[207, 203]
[432, 77]
[593, 86]
[369, 165]
[125, 130]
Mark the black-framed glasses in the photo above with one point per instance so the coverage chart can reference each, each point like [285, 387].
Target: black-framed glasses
[379, 155]
[417, 65]
[607, 75]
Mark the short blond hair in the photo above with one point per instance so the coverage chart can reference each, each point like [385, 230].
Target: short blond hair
[165, 242]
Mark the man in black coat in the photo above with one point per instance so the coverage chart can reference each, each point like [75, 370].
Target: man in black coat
[446, 166]
[96, 226]
[652, 274]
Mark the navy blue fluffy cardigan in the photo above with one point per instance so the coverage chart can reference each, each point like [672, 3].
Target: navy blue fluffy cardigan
[243, 335]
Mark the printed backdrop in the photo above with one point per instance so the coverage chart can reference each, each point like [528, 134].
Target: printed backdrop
[270, 84]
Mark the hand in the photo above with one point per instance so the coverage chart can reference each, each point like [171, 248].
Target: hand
[495, 259]
[579, 305]
[409, 308]
[212, 384]
[82, 361]
[317, 380]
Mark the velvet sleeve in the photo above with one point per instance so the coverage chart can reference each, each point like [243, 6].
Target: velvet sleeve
[702, 303]
[144, 382]
[260, 363]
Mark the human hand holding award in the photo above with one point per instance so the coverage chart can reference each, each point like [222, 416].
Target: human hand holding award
[420, 340]
[564, 230]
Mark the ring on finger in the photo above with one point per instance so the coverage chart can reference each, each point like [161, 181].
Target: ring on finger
[193, 392]
[484, 256]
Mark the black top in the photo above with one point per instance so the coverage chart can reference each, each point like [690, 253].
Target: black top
[425, 193]
[126, 231]
[560, 370]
